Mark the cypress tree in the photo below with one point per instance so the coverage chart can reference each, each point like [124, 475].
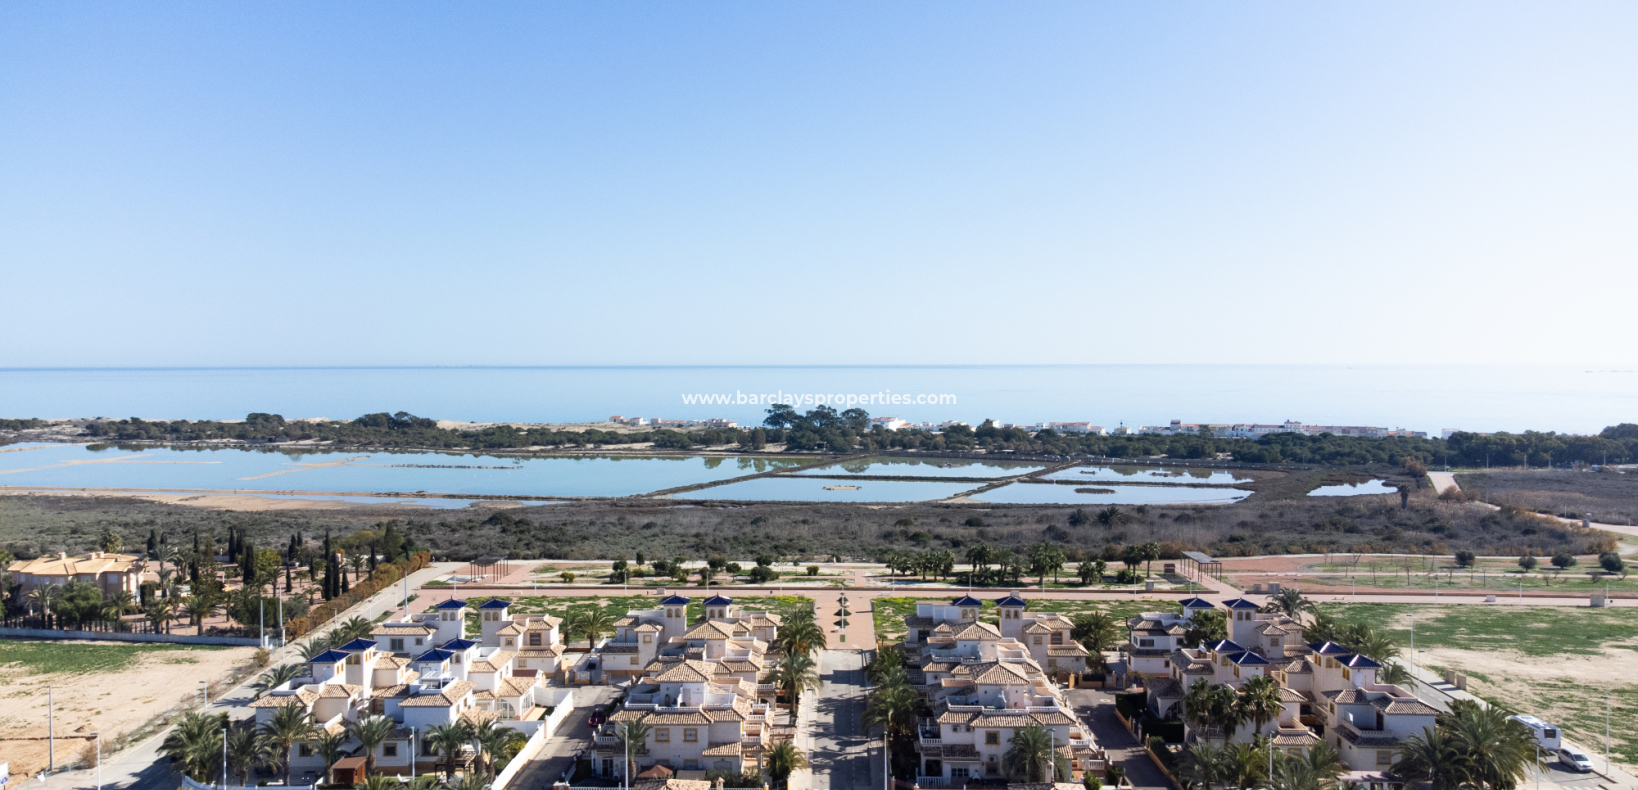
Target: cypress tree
[329, 578]
[287, 585]
[153, 542]
[344, 585]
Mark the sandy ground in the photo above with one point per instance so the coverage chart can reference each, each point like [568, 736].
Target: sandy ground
[111, 702]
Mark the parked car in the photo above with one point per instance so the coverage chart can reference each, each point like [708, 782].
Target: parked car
[595, 719]
[1575, 759]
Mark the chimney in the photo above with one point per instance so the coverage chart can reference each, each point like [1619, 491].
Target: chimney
[62, 555]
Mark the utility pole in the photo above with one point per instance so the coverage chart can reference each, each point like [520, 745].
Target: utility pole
[51, 734]
[887, 782]
[224, 758]
[1606, 734]
[98, 736]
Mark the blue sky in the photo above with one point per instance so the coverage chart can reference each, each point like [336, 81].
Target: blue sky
[777, 183]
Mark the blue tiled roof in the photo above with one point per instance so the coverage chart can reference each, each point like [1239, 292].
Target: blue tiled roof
[1239, 603]
[435, 655]
[1359, 662]
[453, 603]
[328, 657]
[1197, 603]
[675, 600]
[966, 600]
[717, 600]
[358, 646]
[495, 603]
[1224, 646]
[1248, 659]
[458, 644]
[1012, 600]
[1329, 648]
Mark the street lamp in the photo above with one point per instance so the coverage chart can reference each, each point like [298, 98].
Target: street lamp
[224, 758]
[1606, 734]
[98, 736]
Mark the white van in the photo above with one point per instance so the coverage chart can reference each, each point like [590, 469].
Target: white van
[1546, 735]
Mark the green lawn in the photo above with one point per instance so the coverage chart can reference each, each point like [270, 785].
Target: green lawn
[1531, 630]
[890, 612]
[616, 606]
[39, 658]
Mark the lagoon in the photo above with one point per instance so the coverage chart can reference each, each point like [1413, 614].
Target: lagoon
[926, 467]
[1058, 494]
[1158, 474]
[805, 489]
[364, 471]
[1355, 489]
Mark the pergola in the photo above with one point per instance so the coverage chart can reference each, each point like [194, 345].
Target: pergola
[495, 566]
[1196, 565]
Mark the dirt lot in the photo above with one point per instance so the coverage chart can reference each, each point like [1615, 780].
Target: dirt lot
[114, 688]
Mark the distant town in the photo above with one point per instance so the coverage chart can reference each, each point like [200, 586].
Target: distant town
[1174, 428]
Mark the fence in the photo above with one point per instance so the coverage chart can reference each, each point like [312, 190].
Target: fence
[386, 574]
[98, 626]
[189, 784]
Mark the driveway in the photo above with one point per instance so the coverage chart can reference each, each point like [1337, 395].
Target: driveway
[1096, 707]
[557, 757]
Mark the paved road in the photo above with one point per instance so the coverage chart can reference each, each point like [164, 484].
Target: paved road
[1096, 707]
[841, 755]
[558, 755]
[141, 767]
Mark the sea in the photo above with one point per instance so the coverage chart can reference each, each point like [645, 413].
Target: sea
[1414, 397]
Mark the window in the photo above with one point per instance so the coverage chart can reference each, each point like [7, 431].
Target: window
[691, 765]
[1057, 638]
[534, 640]
[397, 645]
[427, 749]
[1052, 663]
[662, 736]
[648, 639]
[417, 641]
[1384, 757]
[960, 773]
[305, 750]
[634, 661]
[389, 750]
[1141, 642]
[1346, 675]
[990, 769]
[992, 738]
[691, 735]
[1038, 641]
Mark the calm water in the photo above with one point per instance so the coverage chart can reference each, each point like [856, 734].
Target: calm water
[799, 489]
[1426, 398]
[1121, 472]
[930, 467]
[368, 472]
[1049, 494]
[1355, 489]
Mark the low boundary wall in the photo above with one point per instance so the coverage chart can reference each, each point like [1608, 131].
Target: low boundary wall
[115, 636]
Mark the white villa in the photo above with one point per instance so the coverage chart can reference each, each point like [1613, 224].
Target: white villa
[985, 681]
[1324, 687]
[697, 685]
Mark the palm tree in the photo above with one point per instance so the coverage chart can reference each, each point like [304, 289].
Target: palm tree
[331, 746]
[370, 732]
[803, 636]
[795, 675]
[589, 623]
[194, 744]
[470, 782]
[1112, 516]
[123, 601]
[893, 707]
[246, 749]
[380, 782]
[784, 759]
[1292, 773]
[1244, 765]
[1151, 552]
[1030, 757]
[1323, 760]
[1203, 764]
[884, 663]
[1097, 631]
[1260, 702]
[1432, 758]
[634, 733]
[290, 725]
[199, 607]
[276, 677]
[161, 612]
[1496, 749]
[449, 739]
[1289, 602]
[1394, 672]
[354, 628]
[1197, 704]
[313, 648]
[44, 597]
[496, 743]
[356, 562]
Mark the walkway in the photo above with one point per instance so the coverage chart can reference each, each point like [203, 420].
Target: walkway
[841, 746]
[1096, 707]
[557, 757]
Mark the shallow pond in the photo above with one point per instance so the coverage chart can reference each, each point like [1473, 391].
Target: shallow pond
[1119, 472]
[1050, 494]
[926, 467]
[1355, 489]
[363, 471]
[802, 489]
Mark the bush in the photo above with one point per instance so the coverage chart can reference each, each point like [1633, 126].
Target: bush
[1133, 704]
[763, 574]
[1612, 562]
[1157, 746]
[813, 570]
[1528, 562]
[263, 658]
[1465, 558]
[1564, 559]
[975, 521]
[1159, 729]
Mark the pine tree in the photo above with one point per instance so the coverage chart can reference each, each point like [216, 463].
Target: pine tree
[153, 542]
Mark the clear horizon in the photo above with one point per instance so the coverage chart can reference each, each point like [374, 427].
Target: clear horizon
[374, 185]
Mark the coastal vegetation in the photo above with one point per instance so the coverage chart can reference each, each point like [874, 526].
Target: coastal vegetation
[848, 431]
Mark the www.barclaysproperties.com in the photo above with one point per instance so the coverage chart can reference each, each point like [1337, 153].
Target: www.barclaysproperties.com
[794, 399]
